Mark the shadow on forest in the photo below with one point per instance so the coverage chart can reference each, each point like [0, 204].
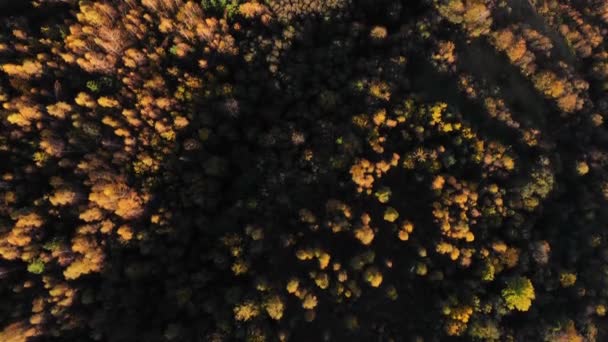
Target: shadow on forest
[261, 165]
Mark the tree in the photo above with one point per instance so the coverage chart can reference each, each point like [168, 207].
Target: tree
[484, 330]
[111, 193]
[18, 332]
[373, 276]
[59, 110]
[274, 307]
[246, 311]
[89, 260]
[473, 15]
[27, 70]
[519, 293]
[390, 214]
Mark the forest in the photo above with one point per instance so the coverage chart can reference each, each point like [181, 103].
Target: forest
[303, 170]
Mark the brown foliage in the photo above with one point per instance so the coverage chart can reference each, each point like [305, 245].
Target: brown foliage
[18, 332]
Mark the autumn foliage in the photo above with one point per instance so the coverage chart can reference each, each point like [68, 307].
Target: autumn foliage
[303, 170]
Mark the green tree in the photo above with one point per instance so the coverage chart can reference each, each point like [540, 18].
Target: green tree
[519, 293]
[36, 267]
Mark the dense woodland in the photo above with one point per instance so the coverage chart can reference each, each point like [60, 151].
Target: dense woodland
[303, 170]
